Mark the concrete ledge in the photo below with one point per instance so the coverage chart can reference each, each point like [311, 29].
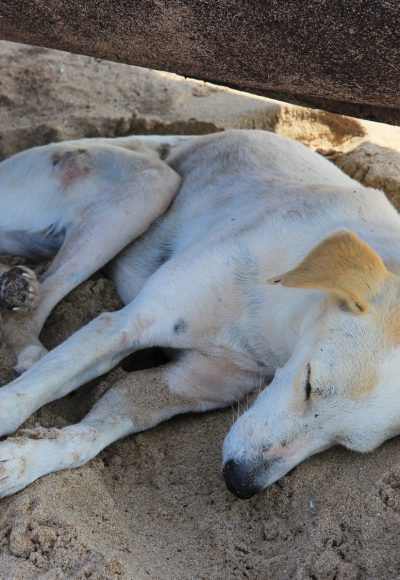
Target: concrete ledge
[331, 54]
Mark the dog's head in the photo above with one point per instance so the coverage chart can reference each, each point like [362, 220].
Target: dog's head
[342, 383]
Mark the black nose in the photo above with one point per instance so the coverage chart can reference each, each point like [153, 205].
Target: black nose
[239, 479]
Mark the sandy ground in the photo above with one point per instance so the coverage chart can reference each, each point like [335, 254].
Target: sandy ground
[154, 505]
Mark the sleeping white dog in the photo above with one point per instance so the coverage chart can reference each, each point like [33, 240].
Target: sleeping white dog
[248, 255]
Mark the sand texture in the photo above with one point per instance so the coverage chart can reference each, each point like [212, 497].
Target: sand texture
[155, 505]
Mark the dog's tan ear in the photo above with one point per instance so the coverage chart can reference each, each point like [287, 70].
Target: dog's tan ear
[341, 264]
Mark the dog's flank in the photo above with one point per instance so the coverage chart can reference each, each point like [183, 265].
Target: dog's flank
[196, 239]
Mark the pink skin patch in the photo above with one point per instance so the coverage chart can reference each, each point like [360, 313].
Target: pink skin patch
[71, 166]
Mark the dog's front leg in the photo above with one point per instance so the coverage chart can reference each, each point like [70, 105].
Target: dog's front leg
[90, 352]
[138, 402]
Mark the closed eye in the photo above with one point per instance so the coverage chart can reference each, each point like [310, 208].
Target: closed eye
[308, 383]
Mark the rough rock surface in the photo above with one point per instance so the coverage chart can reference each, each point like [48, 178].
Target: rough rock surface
[154, 505]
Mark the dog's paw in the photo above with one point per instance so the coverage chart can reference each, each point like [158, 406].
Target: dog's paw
[39, 451]
[28, 357]
[19, 288]
[25, 459]
[16, 466]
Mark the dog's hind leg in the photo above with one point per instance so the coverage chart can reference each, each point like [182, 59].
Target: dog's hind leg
[135, 403]
[125, 199]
